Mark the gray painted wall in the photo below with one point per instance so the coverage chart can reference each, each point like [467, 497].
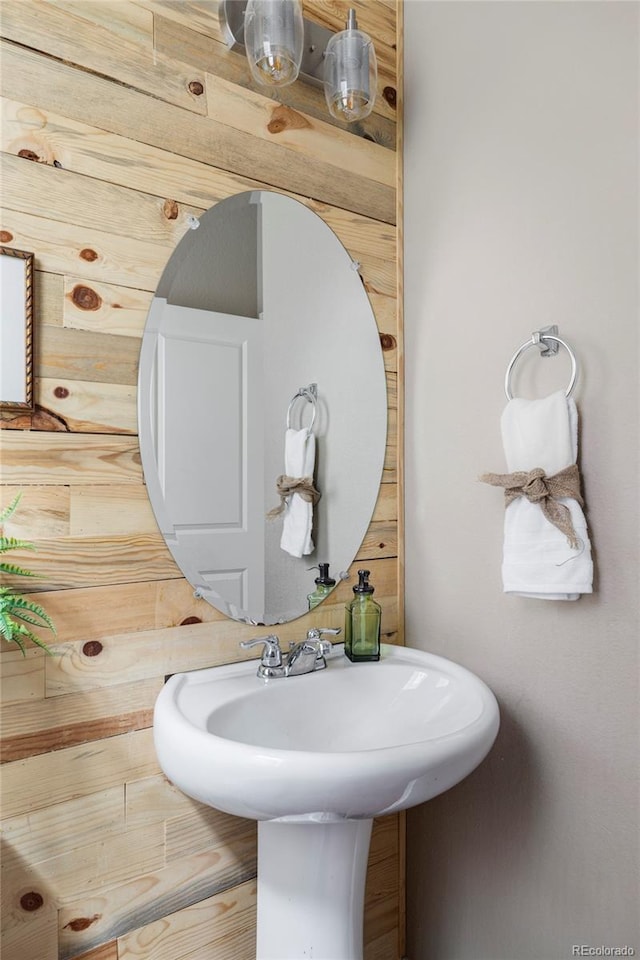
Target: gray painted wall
[521, 200]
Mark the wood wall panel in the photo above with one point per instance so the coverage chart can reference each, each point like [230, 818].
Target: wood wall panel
[50, 778]
[84, 355]
[89, 150]
[119, 120]
[47, 833]
[55, 722]
[87, 201]
[123, 110]
[90, 614]
[31, 933]
[48, 291]
[153, 897]
[206, 929]
[90, 253]
[272, 122]
[107, 951]
[21, 678]
[118, 45]
[105, 308]
[65, 458]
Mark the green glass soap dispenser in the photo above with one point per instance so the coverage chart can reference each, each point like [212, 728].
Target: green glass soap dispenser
[362, 623]
[324, 586]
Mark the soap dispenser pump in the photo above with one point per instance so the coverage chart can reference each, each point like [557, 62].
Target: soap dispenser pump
[324, 586]
[362, 623]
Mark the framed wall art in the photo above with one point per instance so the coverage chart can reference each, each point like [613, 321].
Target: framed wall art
[16, 329]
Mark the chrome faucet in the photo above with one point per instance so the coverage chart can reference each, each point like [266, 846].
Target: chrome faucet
[306, 656]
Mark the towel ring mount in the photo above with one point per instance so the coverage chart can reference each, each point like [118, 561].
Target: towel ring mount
[548, 343]
[309, 393]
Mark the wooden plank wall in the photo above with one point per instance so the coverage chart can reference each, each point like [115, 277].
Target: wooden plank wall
[119, 119]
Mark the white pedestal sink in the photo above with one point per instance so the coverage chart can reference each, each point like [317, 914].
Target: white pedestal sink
[314, 758]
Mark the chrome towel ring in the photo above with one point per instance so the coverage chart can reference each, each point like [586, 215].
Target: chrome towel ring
[309, 393]
[539, 339]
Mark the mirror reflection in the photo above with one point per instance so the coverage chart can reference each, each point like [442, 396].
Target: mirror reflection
[262, 407]
[16, 329]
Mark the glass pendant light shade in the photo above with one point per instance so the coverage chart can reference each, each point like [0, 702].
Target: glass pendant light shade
[273, 37]
[350, 73]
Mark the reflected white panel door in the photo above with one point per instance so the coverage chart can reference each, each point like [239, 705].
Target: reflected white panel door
[210, 364]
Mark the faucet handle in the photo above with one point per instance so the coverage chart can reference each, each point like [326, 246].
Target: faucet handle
[324, 646]
[271, 654]
[316, 632]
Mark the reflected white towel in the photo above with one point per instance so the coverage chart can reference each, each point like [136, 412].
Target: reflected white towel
[538, 562]
[299, 461]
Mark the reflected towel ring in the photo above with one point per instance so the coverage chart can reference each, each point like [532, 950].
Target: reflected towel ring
[310, 394]
[533, 342]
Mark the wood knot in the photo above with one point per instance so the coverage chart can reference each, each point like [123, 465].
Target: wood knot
[284, 118]
[5, 236]
[82, 923]
[92, 648]
[61, 393]
[390, 96]
[387, 341]
[31, 901]
[196, 88]
[44, 419]
[188, 620]
[171, 209]
[28, 155]
[85, 298]
[88, 254]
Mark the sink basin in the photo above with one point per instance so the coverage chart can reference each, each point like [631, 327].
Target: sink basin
[314, 758]
[352, 741]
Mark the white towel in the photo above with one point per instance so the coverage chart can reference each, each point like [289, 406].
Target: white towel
[538, 561]
[299, 461]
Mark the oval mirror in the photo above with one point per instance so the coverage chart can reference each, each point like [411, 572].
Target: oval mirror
[260, 343]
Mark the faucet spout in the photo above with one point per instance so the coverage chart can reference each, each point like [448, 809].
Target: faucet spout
[305, 657]
[310, 654]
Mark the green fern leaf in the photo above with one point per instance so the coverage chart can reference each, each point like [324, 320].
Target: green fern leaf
[28, 611]
[6, 626]
[6, 513]
[21, 631]
[18, 640]
[15, 610]
[13, 543]
[16, 571]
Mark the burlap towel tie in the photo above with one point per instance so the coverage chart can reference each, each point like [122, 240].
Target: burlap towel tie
[285, 486]
[537, 487]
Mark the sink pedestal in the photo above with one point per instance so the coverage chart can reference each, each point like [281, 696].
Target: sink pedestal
[311, 878]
